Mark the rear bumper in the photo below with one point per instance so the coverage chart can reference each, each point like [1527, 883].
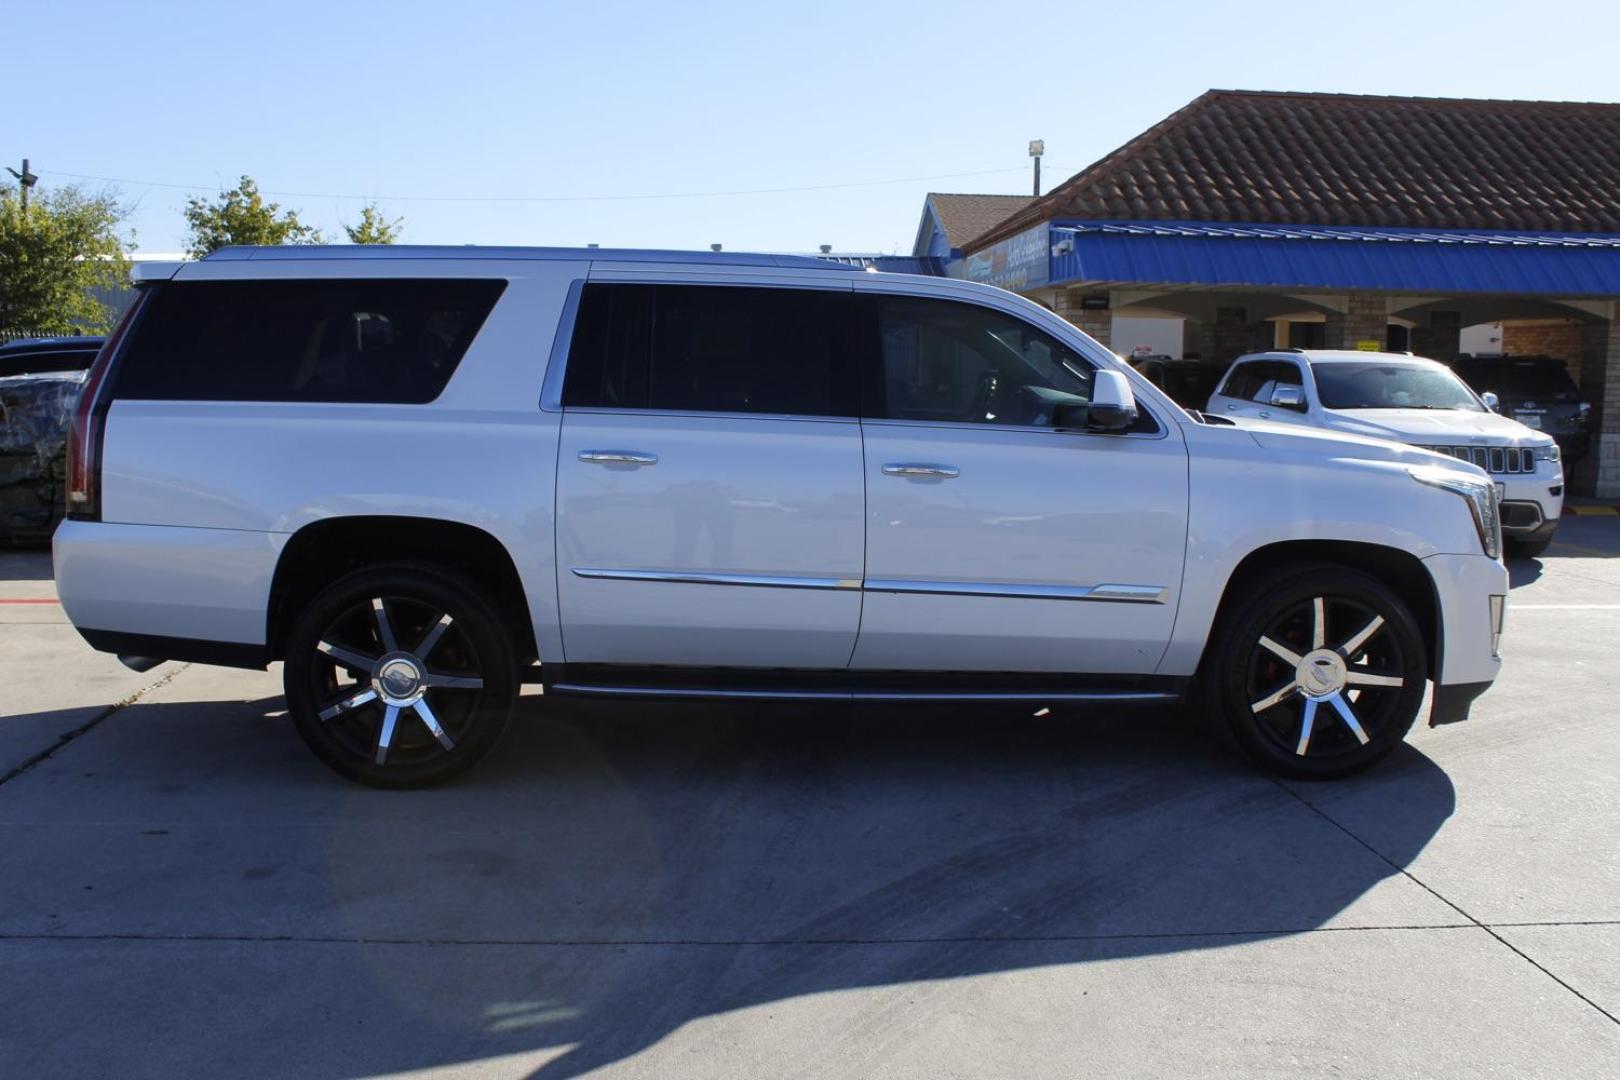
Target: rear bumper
[1468, 659]
[124, 582]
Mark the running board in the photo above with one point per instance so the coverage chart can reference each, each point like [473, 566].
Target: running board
[677, 682]
[1105, 697]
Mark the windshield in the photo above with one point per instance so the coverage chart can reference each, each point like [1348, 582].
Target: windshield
[1391, 386]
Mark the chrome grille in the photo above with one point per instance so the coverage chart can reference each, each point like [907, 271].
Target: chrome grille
[1493, 459]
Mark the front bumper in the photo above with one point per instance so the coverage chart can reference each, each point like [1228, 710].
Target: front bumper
[1467, 659]
[1532, 503]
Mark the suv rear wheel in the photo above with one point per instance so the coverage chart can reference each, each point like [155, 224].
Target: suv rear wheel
[400, 676]
[1316, 671]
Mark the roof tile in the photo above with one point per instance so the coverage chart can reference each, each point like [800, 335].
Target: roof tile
[965, 216]
[1345, 159]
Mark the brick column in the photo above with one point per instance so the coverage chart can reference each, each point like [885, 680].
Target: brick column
[1439, 337]
[1099, 323]
[1599, 473]
[1364, 319]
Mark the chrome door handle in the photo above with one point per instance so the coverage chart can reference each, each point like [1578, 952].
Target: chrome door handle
[1265, 414]
[1231, 408]
[913, 468]
[618, 457]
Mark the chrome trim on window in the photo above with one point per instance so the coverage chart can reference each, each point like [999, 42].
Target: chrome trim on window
[1129, 594]
[765, 581]
[551, 390]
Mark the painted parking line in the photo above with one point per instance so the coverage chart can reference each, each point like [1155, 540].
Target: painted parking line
[1564, 607]
[29, 600]
[1592, 511]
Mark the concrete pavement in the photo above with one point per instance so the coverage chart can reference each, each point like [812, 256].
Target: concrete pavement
[669, 891]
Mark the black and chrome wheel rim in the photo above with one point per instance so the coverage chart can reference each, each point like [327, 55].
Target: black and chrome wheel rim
[1326, 678]
[396, 681]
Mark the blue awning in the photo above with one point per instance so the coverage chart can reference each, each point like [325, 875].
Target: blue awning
[1308, 257]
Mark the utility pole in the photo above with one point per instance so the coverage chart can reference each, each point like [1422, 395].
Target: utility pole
[1037, 147]
[25, 180]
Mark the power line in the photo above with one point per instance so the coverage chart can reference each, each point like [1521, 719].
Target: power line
[549, 198]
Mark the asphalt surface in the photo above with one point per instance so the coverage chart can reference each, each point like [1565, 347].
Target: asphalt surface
[661, 891]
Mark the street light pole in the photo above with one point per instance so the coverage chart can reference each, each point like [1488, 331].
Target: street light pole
[1037, 147]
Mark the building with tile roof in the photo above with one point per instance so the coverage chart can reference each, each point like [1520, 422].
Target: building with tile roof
[1251, 220]
[951, 220]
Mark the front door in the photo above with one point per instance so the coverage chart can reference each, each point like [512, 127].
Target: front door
[993, 541]
[709, 478]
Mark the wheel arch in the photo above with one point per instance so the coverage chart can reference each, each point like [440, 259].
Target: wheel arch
[323, 551]
[1400, 570]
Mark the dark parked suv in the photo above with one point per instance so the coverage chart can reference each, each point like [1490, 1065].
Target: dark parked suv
[1537, 392]
[40, 381]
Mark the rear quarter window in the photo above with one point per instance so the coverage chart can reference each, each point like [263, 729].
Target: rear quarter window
[374, 341]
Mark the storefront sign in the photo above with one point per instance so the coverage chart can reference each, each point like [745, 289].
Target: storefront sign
[1019, 263]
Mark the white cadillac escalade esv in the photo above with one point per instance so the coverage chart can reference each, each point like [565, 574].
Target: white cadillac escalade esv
[422, 476]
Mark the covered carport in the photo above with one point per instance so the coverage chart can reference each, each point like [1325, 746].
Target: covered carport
[1264, 220]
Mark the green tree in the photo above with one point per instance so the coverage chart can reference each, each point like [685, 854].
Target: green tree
[373, 228]
[56, 255]
[241, 216]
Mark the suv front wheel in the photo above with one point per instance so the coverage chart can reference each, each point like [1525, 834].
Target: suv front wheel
[400, 676]
[1315, 671]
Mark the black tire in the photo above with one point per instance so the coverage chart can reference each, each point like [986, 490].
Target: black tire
[472, 647]
[1528, 549]
[1281, 606]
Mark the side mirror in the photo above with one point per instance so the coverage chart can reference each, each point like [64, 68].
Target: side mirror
[1288, 397]
[1492, 402]
[1112, 407]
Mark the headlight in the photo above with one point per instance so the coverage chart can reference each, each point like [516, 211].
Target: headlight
[1481, 496]
[1549, 453]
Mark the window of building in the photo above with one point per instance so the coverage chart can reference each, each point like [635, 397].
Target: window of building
[393, 341]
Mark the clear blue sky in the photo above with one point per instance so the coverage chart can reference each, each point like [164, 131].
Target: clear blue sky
[403, 101]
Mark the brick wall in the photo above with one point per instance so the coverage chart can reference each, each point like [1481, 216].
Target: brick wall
[1098, 323]
[1563, 338]
[1439, 336]
[1599, 474]
[1364, 319]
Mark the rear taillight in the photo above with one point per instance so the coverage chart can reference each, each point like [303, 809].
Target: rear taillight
[89, 423]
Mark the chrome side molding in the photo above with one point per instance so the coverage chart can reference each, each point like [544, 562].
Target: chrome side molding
[1119, 594]
[1128, 594]
[766, 581]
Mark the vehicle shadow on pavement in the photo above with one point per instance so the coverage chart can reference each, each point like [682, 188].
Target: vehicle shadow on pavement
[926, 844]
[612, 874]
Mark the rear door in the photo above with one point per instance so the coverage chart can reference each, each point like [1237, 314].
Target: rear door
[709, 489]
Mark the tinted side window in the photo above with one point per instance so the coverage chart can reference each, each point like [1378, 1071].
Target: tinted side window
[386, 341]
[1270, 376]
[954, 362]
[712, 348]
[1240, 381]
